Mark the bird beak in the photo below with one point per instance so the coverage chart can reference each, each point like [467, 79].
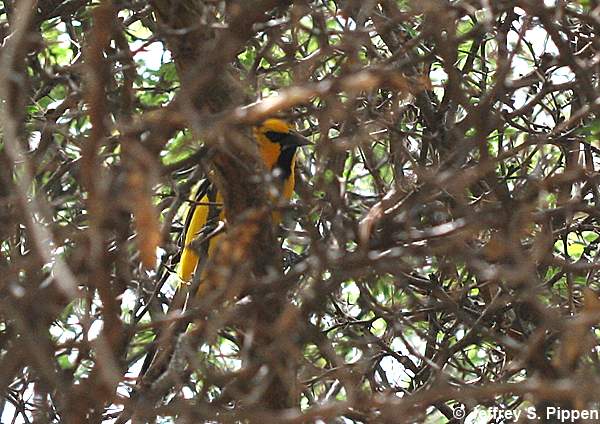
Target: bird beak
[299, 140]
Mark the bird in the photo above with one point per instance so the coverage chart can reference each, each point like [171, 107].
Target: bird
[278, 143]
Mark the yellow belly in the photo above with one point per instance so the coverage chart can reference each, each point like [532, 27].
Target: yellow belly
[189, 258]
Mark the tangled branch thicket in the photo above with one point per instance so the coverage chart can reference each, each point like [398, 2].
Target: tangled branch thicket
[439, 257]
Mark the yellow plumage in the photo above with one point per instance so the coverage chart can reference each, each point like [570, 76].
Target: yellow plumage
[277, 144]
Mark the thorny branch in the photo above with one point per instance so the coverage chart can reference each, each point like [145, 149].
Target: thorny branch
[440, 253]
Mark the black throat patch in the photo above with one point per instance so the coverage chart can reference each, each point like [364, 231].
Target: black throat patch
[284, 161]
[288, 147]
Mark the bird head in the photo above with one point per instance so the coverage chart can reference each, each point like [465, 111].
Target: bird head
[277, 143]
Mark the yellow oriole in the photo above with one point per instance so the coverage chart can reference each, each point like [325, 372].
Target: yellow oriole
[277, 144]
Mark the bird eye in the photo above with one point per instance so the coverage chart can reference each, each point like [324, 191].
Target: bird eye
[275, 137]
